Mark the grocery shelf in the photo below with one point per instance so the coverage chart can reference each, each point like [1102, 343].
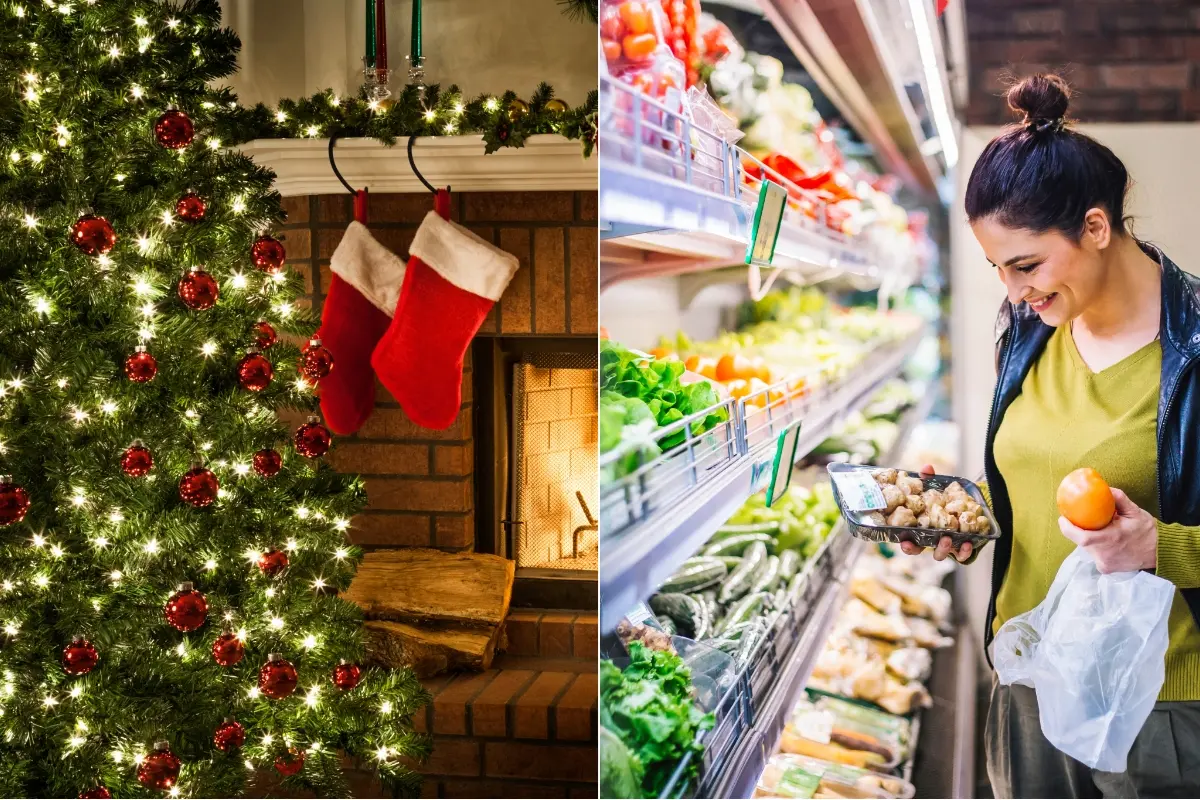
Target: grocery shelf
[675, 198]
[658, 516]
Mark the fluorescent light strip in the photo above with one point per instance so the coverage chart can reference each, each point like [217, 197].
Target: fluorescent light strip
[933, 82]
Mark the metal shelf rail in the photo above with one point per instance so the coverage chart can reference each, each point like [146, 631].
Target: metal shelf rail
[670, 186]
[658, 515]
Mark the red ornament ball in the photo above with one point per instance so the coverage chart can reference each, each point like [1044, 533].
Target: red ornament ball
[137, 460]
[255, 372]
[191, 207]
[277, 678]
[313, 439]
[198, 290]
[273, 562]
[79, 657]
[268, 462]
[316, 361]
[14, 501]
[290, 763]
[228, 649]
[141, 367]
[198, 487]
[160, 769]
[264, 334]
[229, 735]
[187, 609]
[99, 792]
[346, 676]
[268, 254]
[174, 130]
[93, 235]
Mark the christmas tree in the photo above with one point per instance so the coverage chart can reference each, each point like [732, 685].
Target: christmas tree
[170, 552]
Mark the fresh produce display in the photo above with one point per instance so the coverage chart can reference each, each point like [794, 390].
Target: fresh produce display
[682, 19]
[648, 722]
[868, 434]
[881, 647]
[1086, 500]
[792, 776]
[639, 394]
[911, 505]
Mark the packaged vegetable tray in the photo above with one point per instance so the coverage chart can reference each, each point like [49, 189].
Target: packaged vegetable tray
[791, 776]
[891, 505]
[826, 734]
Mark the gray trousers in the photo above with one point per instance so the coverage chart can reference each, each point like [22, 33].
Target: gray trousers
[1164, 761]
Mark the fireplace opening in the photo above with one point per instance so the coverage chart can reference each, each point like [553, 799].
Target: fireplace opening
[537, 477]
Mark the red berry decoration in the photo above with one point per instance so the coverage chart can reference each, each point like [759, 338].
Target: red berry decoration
[346, 676]
[229, 735]
[316, 361]
[268, 254]
[198, 487]
[277, 678]
[79, 657]
[273, 562]
[187, 609]
[93, 235]
[101, 792]
[313, 439]
[191, 207]
[174, 130]
[255, 372]
[14, 501]
[290, 763]
[198, 290]
[228, 649]
[141, 367]
[264, 334]
[137, 460]
[160, 769]
[268, 462]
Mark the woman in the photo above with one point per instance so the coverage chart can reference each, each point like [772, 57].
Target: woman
[1098, 365]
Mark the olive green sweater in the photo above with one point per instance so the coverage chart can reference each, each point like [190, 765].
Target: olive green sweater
[1068, 417]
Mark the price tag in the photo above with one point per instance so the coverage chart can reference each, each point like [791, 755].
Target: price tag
[859, 490]
[781, 465]
[772, 199]
[642, 615]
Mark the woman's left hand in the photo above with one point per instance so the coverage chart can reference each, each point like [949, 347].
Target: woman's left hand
[1127, 544]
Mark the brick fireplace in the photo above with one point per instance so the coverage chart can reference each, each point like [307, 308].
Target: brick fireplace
[526, 725]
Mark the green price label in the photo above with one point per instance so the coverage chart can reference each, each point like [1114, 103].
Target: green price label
[772, 199]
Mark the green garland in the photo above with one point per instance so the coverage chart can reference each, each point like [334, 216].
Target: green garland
[416, 111]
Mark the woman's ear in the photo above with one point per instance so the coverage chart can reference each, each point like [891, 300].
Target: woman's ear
[1097, 228]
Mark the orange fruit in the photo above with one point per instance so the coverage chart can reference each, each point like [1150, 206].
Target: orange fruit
[637, 17]
[738, 388]
[639, 47]
[708, 368]
[691, 362]
[762, 370]
[661, 352]
[1086, 500]
[603, 332]
[733, 365]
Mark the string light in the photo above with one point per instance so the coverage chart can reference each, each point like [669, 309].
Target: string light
[79, 415]
[57, 551]
[302, 512]
[104, 261]
[101, 542]
[181, 649]
[136, 91]
[38, 540]
[210, 564]
[319, 583]
[15, 156]
[145, 334]
[144, 43]
[11, 628]
[76, 691]
[151, 546]
[108, 407]
[31, 95]
[301, 385]
[147, 310]
[253, 693]
[449, 128]
[386, 708]
[79, 498]
[309, 642]
[49, 701]
[139, 21]
[167, 219]
[312, 130]
[291, 545]
[114, 52]
[239, 205]
[458, 108]
[116, 516]
[280, 116]
[310, 699]
[239, 280]
[208, 348]
[382, 754]
[144, 244]
[172, 23]
[491, 104]
[17, 383]
[430, 115]
[36, 157]
[31, 221]
[270, 592]
[75, 741]
[115, 576]
[241, 468]
[334, 101]
[341, 553]
[117, 756]
[214, 144]
[277, 623]
[42, 581]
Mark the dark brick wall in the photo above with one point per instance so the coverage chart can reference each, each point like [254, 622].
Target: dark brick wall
[1128, 60]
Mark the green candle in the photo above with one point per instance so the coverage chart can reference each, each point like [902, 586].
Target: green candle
[370, 33]
[415, 49]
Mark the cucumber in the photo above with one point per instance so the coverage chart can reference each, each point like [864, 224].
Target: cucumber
[703, 626]
[781, 601]
[694, 575]
[749, 644]
[709, 599]
[789, 564]
[738, 545]
[729, 646]
[667, 624]
[730, 562]
[742, 578]
[682, 610]
[767, 576]
[795, 585]
[744, 611]
[735, 632]
[726, 531]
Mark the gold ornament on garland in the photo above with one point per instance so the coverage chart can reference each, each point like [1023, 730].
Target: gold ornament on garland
[517, 109]
[556, 106]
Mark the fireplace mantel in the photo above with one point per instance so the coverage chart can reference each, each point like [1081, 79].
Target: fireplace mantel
[547, 162]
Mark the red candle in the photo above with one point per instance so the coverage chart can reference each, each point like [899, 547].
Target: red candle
[380, 36]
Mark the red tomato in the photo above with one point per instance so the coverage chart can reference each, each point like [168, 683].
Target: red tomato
[639, 47]
[637, 17]
[679, 49]
[611, 26]
[666, 81]
[612, 50]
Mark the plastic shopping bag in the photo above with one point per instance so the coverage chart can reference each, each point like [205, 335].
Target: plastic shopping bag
[1093, 651]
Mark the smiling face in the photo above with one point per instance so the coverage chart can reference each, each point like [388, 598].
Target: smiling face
[1057, 277]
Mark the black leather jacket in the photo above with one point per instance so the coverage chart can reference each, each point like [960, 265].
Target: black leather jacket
[1020, 338]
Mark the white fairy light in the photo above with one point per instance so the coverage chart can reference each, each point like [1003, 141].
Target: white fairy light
[309, 642]
[136, 91]
[301, 385]
[49, 701]
[100, 542]
[430, 115]
[147, 310]
[190, 413]
[268, 739]
[11, 628]
[151, 546]
[115, 576]
[175, 790]
[172, 23]
[241, 634]
[291, 546]
[284, 310]
[280, 116]
[208, 348]
[382, 754]
[108, 407]
[319, 583]
[239, 280]
[241, 468]
[181, 649]
[7, 586]
[249, 764]
[210, 564]
[114, 52]
[31, 95]
[56, 551]
[373, 105]
[386, 708]
[31, 221]
[104, 261]
[312, 131]
[239, 205]
[144, 244]
[449, 128]
[491, 104]
[117, 756]
[315, 747]
[341, 553]
[75, 741]
[119, 177]
[17, 383]
[253, 555]
[167, 219]
[206, 446]
[277, 623]
[144, 43]
[42, 581]
[76, 691]
[79, 498]
[253, 693]
[458, 108]
[36, 157]
[302, 512]
[79, 415]
[310, 699]
[20, 12]
[270, 592]
[279, 277]
[214, 144]
[15, 156]
[116, 516]
[341, 524]
[38, 540]
[139, 21]
[145, 334]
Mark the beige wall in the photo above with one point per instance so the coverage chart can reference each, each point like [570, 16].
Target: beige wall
[296, 47]
[1163, 202]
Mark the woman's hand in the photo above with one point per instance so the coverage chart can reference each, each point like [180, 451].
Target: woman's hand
[1127, 544]
[945, 544]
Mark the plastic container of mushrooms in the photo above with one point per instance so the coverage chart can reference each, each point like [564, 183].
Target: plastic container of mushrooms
[915, 509]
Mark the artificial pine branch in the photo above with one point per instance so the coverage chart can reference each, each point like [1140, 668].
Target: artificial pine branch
[580, 10]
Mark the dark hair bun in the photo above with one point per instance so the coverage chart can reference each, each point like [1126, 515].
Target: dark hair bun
[1040, 97]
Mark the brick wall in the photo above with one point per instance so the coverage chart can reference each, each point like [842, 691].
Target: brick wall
[1128, 60]
[419, 482]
